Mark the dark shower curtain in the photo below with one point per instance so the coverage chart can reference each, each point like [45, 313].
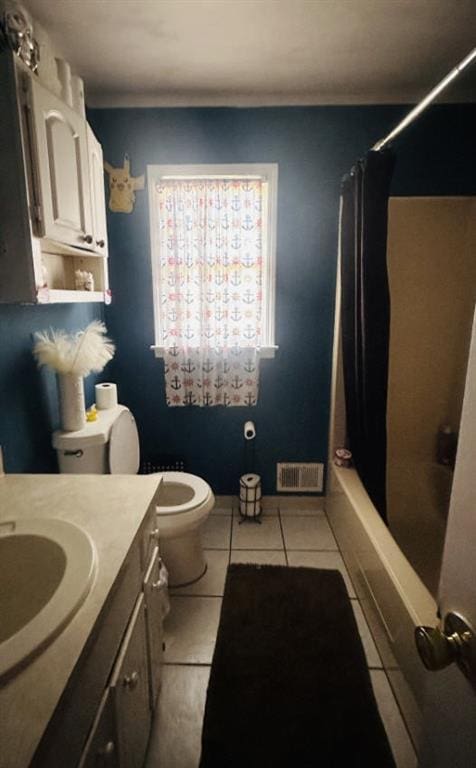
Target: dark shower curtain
[365, 318]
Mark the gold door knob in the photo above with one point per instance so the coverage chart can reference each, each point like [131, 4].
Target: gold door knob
[440, 647]
[436, 649]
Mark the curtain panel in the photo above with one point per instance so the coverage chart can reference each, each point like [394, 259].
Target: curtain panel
[210, 292]
[365, 317]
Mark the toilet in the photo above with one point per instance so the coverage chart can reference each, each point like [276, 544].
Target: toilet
[110, 445]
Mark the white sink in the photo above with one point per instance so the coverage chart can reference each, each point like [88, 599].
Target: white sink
[47, 568]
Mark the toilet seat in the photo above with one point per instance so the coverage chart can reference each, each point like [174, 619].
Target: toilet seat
[201, 493]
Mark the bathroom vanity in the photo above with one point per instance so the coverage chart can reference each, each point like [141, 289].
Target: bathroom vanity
[88, 698]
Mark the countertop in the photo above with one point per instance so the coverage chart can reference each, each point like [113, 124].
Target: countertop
[111, 509]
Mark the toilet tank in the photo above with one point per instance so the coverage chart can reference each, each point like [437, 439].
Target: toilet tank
[88, 460]
[86, 451]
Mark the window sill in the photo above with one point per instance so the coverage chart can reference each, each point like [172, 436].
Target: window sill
[265, 353]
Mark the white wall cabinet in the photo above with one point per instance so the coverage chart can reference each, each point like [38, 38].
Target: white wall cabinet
[63, 211]
[98, 203]
[56, 215]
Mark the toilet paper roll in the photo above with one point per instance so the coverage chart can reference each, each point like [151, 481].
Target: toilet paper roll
[106, 396]
[250, 495]
[249, 430]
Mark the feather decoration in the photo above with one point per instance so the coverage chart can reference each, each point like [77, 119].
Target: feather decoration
[79, 353]
[92, 350]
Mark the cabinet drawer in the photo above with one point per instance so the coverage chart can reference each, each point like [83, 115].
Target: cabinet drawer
[101, 750]
[130, 691]
[155, 591]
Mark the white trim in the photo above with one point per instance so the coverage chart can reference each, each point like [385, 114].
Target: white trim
[104, 100]
[266, 171]
[214, 171]
[265, 353]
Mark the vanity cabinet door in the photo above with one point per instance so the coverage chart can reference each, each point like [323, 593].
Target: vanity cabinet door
[154, 591]
[61, 171]
[130, 691]
[101, 750]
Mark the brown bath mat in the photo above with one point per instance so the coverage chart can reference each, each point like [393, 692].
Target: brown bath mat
[289, 685]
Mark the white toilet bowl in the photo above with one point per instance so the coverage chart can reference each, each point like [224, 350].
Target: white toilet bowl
[183, 504]
[110, 445]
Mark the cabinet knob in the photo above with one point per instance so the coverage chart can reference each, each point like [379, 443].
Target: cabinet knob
[88, 239]
[154, 534]
[159, 584]
[101, 243]
[130, 681]
[107, 750]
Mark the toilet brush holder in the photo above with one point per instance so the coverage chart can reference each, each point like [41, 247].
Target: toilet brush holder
[250, 497]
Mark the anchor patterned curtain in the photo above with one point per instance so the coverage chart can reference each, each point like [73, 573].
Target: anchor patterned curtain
[210, 250]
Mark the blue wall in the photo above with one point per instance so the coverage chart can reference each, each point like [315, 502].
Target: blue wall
[314, 147]
[28, 397]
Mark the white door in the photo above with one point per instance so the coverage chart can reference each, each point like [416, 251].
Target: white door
[450, 712]
[61, 172]
[98, 200]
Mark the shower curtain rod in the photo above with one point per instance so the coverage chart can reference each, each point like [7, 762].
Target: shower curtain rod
[426, 101]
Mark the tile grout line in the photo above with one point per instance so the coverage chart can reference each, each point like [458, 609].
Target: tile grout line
[283, 538]
[231, 535]
[186, 664]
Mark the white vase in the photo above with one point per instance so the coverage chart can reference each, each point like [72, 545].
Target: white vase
[71, 401]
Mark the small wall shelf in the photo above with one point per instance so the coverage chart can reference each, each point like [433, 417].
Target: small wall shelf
[59, 296]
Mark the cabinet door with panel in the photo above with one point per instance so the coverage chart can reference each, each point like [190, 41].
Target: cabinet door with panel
[98, 202]
[61, 170]
[155, 588]
[130, 691]
[101, 750]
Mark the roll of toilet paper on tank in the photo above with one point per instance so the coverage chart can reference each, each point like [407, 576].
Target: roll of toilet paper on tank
[106, 396]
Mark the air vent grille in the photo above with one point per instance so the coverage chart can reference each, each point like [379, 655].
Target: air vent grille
[304, 477]
[163, 463]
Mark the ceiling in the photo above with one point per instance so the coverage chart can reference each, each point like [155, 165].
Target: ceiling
[261, 52]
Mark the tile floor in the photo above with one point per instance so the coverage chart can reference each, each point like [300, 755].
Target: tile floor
[287, 536]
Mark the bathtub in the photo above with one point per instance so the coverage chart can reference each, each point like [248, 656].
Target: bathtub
[393, 596]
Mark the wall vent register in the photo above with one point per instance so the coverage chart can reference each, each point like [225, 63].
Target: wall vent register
[304, 477]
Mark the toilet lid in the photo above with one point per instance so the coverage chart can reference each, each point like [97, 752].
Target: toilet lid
[124, 446]
[199, 488]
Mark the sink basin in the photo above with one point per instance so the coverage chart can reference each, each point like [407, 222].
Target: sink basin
[47, 568]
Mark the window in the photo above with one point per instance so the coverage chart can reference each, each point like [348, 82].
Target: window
[213, 240]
